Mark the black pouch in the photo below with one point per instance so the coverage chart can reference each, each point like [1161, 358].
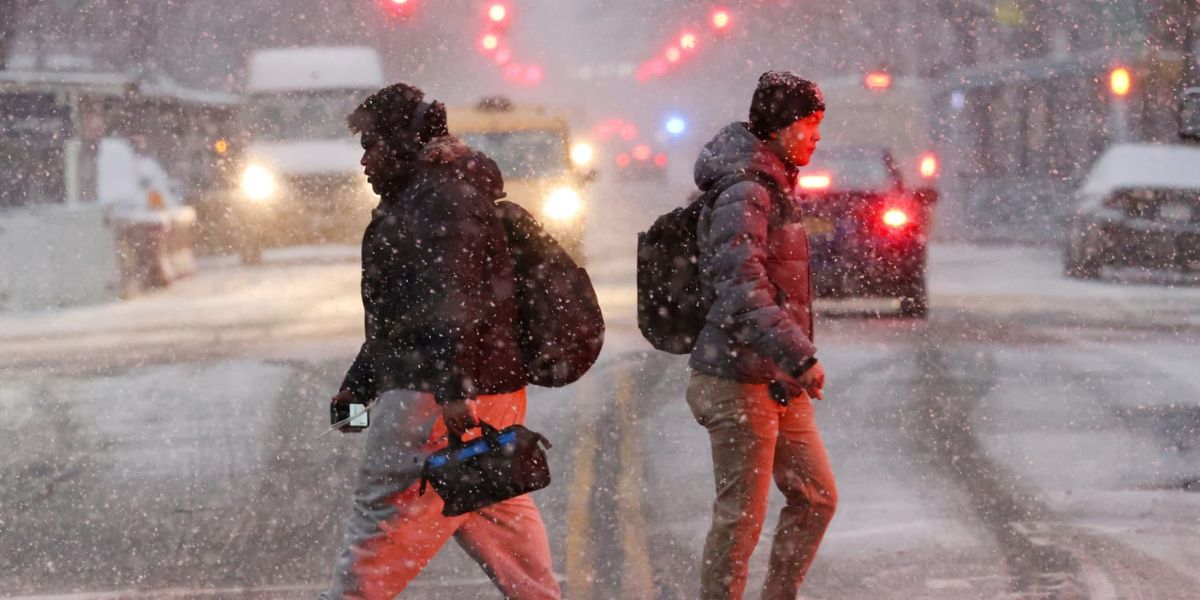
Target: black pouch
[501, 464]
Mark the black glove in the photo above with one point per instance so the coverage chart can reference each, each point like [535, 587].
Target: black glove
[783, 392]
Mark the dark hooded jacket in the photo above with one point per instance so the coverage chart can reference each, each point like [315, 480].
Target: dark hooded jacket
[754, 254]
[437, 283]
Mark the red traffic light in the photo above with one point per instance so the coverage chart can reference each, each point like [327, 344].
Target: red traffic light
[502, 56]
[534, 75]
[497, 12]
[399, 8]
[720, 19]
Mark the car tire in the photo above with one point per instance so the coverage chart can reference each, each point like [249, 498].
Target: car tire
[914, 303]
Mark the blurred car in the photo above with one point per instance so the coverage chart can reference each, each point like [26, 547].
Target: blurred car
[641, 161]
[1138, 207]
[867, 232]
[299, 178]
[542, 171]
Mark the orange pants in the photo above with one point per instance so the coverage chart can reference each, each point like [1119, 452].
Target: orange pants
[395, 531]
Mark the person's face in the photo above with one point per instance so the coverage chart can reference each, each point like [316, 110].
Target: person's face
[798, 140]
[377, 160]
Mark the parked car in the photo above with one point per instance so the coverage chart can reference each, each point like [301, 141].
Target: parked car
[1139, 206]
[867, 231]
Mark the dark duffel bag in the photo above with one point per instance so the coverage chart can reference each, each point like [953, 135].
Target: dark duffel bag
[499, 465]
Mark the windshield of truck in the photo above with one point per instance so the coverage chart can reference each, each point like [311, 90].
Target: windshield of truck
[306, 115]
[523, 154]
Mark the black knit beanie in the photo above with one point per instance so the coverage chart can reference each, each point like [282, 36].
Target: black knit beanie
[782, 98]
[399, 114]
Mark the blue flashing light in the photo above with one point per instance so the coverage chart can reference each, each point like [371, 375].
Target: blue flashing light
[675, 125]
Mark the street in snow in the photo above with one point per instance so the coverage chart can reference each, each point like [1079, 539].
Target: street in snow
[1009, 445]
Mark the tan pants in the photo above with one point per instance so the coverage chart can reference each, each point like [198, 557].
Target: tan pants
[395, 531]
[754, 438]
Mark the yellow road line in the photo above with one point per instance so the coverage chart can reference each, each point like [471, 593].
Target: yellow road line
[580, 560]
[637, 578]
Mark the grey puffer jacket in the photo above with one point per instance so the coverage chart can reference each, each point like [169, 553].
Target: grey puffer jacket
[754, 254]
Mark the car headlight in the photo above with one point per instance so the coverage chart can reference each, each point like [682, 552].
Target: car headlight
[582, 154]
[563, 204]
[258, 183]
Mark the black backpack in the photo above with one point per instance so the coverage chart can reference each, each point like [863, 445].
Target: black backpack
[559, 320]
[672, 301]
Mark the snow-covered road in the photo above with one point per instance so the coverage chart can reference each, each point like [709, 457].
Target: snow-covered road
[1036, 436]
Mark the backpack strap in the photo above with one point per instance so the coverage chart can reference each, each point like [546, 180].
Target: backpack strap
[733, 179]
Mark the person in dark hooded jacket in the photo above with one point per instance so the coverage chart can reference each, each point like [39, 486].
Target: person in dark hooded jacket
[754, 365]
[441, 354]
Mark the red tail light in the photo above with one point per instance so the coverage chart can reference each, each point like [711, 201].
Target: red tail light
[895, 218]
[622, 160]
[660, 159]
[720, 19]
[815, 182]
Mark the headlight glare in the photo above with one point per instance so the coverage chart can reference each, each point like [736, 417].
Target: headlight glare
[258, 183]
[582, 154]
[563, 204]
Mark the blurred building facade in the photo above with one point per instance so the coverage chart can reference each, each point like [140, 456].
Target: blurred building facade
[1029, 103]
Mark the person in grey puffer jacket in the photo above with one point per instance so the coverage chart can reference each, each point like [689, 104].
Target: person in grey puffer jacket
[754, 366]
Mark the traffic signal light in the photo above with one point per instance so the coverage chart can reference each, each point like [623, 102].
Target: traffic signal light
[399, 9]
[720, 19]
[534, 74]
[497, 12]
[1120, 82]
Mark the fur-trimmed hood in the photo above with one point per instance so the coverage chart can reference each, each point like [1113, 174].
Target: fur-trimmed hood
[465, 163]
